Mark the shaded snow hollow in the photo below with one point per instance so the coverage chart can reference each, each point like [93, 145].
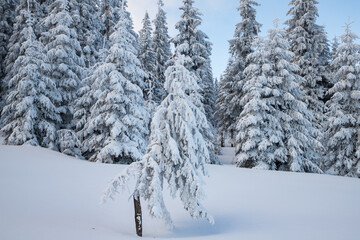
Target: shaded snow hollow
[46, 195]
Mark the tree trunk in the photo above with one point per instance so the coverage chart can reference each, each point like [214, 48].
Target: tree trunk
[138, 216]
[232, 137]
[222, 140]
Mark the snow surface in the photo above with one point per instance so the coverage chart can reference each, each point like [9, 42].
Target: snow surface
[228, 155]
[46, 195]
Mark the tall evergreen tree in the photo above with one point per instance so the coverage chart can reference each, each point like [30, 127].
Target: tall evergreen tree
[194, 44]
[233, 80]
[199, 50]
[343, 125]
[30, 114]
[161, 46]
[275, 129]
[65, 55]
[88, 27]
[177, 152]
[147, 59]
[117, 127]
[309, 43]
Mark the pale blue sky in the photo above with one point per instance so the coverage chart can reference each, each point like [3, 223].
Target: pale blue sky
[220, 17]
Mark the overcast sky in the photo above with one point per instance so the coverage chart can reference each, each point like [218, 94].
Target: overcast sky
[220, 16]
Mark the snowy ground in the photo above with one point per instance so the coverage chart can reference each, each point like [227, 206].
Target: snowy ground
[48, 196]
[227, 156]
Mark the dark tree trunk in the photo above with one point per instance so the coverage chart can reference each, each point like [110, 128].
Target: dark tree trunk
[232, 134]
[138, 216]
[222, 140]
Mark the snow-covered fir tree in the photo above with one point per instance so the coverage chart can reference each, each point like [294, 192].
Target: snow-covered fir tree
[65, 55]
[275, 129]
[147, 59]
[343, 123]
[30, 114]
[193, 43]
[161, 46]
[7, 19]
[323, 46]
[133, 40]
[224, 117]
[14, 43]
[109, 17]
[233, 79]
[89, 27]
[196, 45]
[332, 69]
[334, 48]
[308, 42]
[334, 51]
[117, 128]
[217, 91]
[91, 40]
[177, 152]
[86, 98]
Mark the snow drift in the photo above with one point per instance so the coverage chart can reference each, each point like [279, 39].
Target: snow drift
[46, 195]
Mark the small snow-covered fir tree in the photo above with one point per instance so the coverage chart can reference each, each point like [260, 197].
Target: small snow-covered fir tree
[233, 79]
[193, 43]
[334, 48]
[68, 143]
[65, 55]
[147, 59]
[30, 114]
[308, 42]
[177, 152]
[343, 123]
[275, 129]
[117, 128]
[161, 46]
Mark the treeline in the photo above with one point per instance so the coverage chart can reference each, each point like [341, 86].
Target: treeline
[76, 78]
[290, 101]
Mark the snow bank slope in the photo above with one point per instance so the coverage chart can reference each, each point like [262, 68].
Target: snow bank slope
[48, 196]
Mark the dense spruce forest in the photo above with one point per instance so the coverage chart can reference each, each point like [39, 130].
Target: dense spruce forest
[76, 78]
